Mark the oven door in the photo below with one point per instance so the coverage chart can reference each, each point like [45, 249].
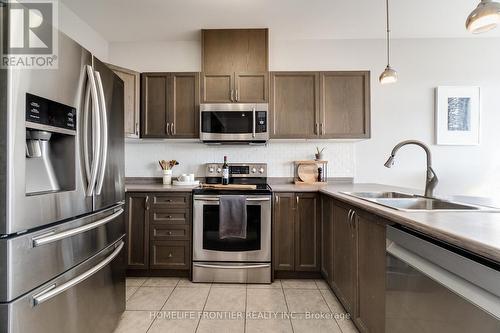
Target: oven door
[233, 122]
[207, 246]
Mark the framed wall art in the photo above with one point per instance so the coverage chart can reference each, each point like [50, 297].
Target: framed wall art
[457, 115]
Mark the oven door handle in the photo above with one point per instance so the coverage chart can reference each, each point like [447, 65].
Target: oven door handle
[232, 267]
[248, 199]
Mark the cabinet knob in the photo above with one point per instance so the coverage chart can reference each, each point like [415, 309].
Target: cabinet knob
[170, 255]
[170, 233]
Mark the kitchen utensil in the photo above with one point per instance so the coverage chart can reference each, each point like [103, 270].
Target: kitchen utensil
[308, 173]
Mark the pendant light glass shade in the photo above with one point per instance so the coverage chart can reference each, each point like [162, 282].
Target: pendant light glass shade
[485, 17]
[389, 75]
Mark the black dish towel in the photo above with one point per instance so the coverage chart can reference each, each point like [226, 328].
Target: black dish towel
[232, 216]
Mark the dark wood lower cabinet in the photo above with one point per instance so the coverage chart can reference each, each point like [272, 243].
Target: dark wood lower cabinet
[353, 261]
[284, 232]
[307, 237]
[137, 223]
[170, 255]
[159, 233]
[345, 261]
[296, 237]
[327, 254]
[370, 316]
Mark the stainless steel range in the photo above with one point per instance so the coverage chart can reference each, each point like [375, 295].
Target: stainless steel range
[233, 260]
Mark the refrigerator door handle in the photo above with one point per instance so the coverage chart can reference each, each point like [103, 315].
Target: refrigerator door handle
[54, 237]
[85, 138]
[96, 131]
[104, 133]
[53, 291]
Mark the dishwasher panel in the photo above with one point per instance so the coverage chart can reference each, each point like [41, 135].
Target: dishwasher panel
[422, 296]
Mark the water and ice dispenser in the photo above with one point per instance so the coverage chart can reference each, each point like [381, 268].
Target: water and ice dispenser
[50, 146]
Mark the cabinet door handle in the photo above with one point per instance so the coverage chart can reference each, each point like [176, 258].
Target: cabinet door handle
[322, 129]
[147, 203]
[232, 95]
[170, 233]
[277, 199]
[170, 255]
[316, 128]
[172, 129]
[168, 129]
[349, 216]
[137, 129]
[237, 96]
[297, 199]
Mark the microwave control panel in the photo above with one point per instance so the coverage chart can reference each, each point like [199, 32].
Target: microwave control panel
[261, 122]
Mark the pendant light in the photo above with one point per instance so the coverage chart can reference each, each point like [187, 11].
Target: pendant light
[485, 17]
[389, 75]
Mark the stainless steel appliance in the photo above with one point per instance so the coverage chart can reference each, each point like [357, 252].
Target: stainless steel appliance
[233, 259]
[433, 287]
[62, 263]
[234, 123]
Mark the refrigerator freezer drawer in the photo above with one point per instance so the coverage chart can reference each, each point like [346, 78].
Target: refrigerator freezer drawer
[88, 298]
[29, 260]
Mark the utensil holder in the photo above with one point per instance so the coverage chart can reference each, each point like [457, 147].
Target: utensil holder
[167, 177]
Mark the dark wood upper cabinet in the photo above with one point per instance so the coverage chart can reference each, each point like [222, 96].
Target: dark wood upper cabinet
[345, 104]
[170, 105]
[251, 87]
[284, 232]
[154, 104]
[307, 236]
[137, 229]
[327, 254]
[131, 92]
[183, 112]
[235, 65]
[371, 273]
[320, 105]
[294, 105]
[344, 265]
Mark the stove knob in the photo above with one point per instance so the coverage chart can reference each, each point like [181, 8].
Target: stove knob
[211, 170]
[254, 170]
[261, 170]
[219, 170]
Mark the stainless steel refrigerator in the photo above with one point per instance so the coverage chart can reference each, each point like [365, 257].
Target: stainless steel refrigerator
[62, 262]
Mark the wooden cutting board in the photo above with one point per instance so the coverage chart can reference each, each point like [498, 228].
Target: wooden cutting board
[308, 173]
[229, 186]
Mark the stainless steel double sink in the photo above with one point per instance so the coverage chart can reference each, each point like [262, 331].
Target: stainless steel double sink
[415, 203]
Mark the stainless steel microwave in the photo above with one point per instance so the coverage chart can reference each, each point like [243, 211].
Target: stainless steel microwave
[234, 123]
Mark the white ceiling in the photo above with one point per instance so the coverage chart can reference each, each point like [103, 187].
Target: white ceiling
[174, 20]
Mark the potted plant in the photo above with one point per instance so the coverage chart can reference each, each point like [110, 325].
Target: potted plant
[319, 153]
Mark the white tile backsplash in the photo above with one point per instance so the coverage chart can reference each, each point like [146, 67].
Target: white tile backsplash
[141, 156]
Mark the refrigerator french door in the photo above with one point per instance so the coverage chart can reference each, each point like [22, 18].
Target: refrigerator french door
[61, 195]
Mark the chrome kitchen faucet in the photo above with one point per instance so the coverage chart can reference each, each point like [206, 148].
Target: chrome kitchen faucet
[431, 178]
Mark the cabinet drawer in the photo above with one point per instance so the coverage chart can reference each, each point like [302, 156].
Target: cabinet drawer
[172, 217]
[170, 255]
[163, 232]
[171, 200]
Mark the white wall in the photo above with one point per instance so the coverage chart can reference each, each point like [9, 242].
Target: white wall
[401, 111]
[79, 30]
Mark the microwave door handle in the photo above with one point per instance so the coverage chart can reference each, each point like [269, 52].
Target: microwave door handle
[253, 122]
[104, 133]
[96, 131]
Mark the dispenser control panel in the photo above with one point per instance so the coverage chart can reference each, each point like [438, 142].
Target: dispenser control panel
[44, 111]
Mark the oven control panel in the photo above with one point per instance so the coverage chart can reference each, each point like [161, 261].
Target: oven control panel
[237, 170]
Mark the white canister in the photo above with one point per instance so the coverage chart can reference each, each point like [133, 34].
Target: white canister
[191, 177]
[167, 177]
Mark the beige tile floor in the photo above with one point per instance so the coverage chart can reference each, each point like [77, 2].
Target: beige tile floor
[285, 306]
